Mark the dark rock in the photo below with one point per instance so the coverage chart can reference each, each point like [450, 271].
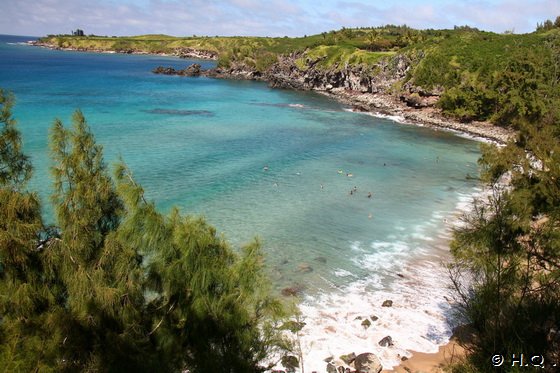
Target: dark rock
[387, 303]
[290, 362]
[164, 70]
[358, 318]
[349, 358]
[367, 363]
[321, 259]
[366, 323]
[386, 342]
[329, 359]
[193, 70]
[404, 358]
[293, 291]
[331, 368]
[374, 318]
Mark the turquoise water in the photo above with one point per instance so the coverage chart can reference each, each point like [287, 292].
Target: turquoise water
[271, 163]
[202, 145]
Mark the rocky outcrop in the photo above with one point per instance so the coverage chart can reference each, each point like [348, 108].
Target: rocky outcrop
[386, 341]
[367, 363]
[192, 70]
[360, 78]
[364, 88]
[196, 53]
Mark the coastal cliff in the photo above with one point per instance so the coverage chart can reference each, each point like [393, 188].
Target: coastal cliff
[363, 88]
[481, 83]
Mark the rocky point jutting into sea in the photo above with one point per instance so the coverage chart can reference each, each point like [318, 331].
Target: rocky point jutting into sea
[367, 89]
[364, 90]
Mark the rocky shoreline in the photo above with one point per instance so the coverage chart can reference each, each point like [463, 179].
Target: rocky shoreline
[178, 52]
[364, 89]
[360, 92]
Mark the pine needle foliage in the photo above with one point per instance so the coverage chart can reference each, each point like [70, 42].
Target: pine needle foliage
[509, 250]
[24, 295]
[213, 310]
[15, 168]
[117, 286]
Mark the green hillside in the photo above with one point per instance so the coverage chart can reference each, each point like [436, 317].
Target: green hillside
[502, 78]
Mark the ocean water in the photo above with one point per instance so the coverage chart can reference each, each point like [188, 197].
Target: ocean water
[279, 165]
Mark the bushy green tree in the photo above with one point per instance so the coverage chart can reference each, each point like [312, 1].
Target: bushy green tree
[507, 267]
[212, 308]
[25, 297]
[116, 286]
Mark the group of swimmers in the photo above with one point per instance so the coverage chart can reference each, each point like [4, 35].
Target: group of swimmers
[355, 191]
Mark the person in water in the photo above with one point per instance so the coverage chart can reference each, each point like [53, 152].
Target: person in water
[369, 195]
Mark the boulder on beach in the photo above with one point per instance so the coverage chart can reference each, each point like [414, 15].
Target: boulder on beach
[331, 368]
[348, 358]
[387, 303]
[290, 362]
[386, 341]
[367, 363]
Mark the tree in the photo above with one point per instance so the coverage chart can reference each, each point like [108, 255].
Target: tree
[212, 308]
[24, 295]
[117, 286]
[15, 168]
[507, 255]
[101, 276]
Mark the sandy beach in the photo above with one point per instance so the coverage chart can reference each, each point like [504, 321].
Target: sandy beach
[451, 353]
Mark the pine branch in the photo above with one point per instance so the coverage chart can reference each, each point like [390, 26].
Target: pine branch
[163, 318]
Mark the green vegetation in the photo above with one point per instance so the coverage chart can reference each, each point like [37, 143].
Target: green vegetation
[501, 78]
[116, 286]
[507, 255]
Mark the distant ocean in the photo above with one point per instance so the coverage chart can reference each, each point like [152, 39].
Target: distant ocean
[279, 165]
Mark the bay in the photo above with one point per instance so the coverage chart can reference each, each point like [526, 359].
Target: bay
[271, 163]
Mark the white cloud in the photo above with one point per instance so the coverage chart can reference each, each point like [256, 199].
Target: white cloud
[262, 17]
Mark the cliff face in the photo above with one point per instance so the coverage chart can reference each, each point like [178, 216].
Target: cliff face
[360, 78]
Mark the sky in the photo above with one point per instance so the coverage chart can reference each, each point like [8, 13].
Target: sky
[265, 17]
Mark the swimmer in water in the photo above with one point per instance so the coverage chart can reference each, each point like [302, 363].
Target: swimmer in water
[369, 195]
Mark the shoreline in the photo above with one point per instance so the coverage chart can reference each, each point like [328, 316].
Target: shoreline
[448, 354]
[388, 105]
[377, 104]
[383, 104]
[184, 54]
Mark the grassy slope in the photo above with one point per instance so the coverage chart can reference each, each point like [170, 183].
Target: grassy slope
[485, 76]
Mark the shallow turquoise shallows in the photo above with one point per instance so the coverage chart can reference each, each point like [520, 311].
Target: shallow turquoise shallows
[254, 161]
